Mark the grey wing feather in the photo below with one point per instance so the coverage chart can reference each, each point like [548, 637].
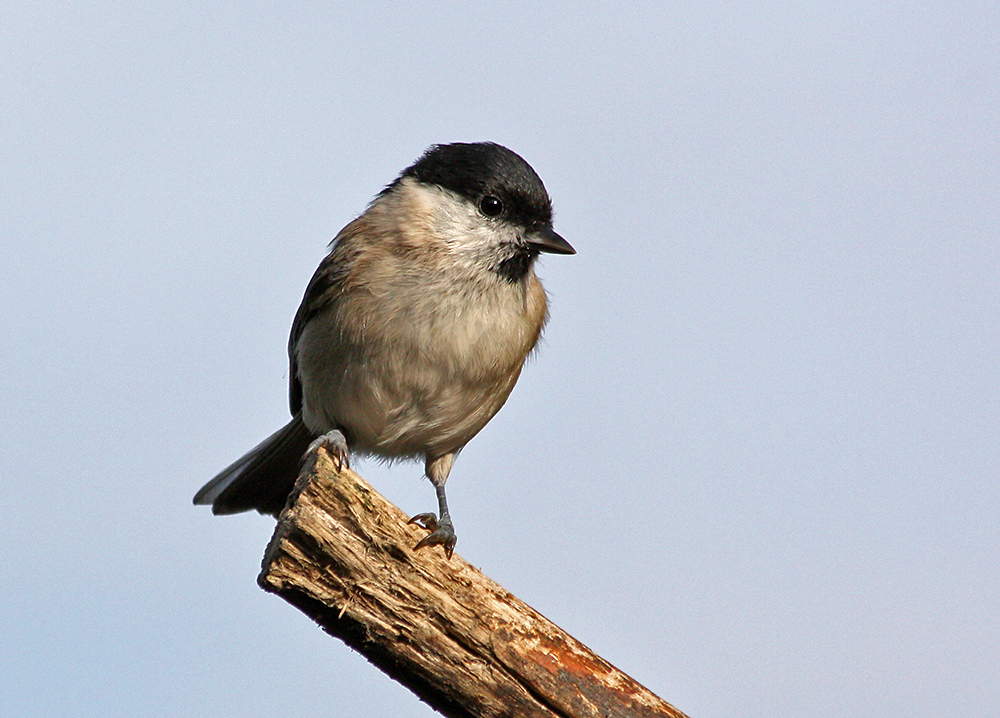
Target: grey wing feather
[263, 478]
[322, 290]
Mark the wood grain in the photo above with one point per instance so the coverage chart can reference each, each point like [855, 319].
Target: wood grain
[343, 555]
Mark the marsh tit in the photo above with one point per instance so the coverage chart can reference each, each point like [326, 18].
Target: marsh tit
[414, 328]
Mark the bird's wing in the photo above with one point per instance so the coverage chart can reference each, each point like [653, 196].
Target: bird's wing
[326, 285]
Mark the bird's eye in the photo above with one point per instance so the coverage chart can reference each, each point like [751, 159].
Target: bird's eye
[491, 206]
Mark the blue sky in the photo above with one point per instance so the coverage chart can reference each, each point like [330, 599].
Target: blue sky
[754, 464]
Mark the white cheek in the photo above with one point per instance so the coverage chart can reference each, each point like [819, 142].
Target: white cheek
[458, 224]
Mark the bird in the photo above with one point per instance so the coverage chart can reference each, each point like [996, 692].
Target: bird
[413, 330]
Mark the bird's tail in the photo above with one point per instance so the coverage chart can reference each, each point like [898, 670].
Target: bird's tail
[263, 478]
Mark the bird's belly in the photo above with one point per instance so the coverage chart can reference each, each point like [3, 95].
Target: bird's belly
[426, 391]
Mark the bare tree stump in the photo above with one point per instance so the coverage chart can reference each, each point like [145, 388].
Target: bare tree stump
[344, 555]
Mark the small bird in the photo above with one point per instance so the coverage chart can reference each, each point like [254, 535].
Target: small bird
[414, 328]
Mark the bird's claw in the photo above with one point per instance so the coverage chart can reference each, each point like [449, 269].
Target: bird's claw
[336, 446]
[441, 533]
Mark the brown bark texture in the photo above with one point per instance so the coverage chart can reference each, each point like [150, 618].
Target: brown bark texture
[344, 555]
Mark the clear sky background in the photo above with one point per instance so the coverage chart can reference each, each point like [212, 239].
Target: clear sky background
[755, 462]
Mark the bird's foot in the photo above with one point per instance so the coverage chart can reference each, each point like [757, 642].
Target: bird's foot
[441, 533]
[335, 444]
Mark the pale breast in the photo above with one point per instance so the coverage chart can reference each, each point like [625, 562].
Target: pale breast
[408, 365]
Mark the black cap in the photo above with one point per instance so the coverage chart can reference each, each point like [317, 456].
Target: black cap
[485, 169]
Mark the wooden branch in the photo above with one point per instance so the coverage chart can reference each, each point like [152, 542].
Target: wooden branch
[344, 555]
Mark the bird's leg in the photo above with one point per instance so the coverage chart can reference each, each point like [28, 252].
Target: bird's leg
[442, 533]
[336, 445]
[441, 530]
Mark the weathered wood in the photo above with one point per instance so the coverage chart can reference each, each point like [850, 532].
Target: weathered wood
[343, 555]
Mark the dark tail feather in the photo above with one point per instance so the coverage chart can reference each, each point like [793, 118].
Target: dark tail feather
[263, 478]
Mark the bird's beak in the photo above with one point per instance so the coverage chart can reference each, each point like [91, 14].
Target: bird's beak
[546, 240]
